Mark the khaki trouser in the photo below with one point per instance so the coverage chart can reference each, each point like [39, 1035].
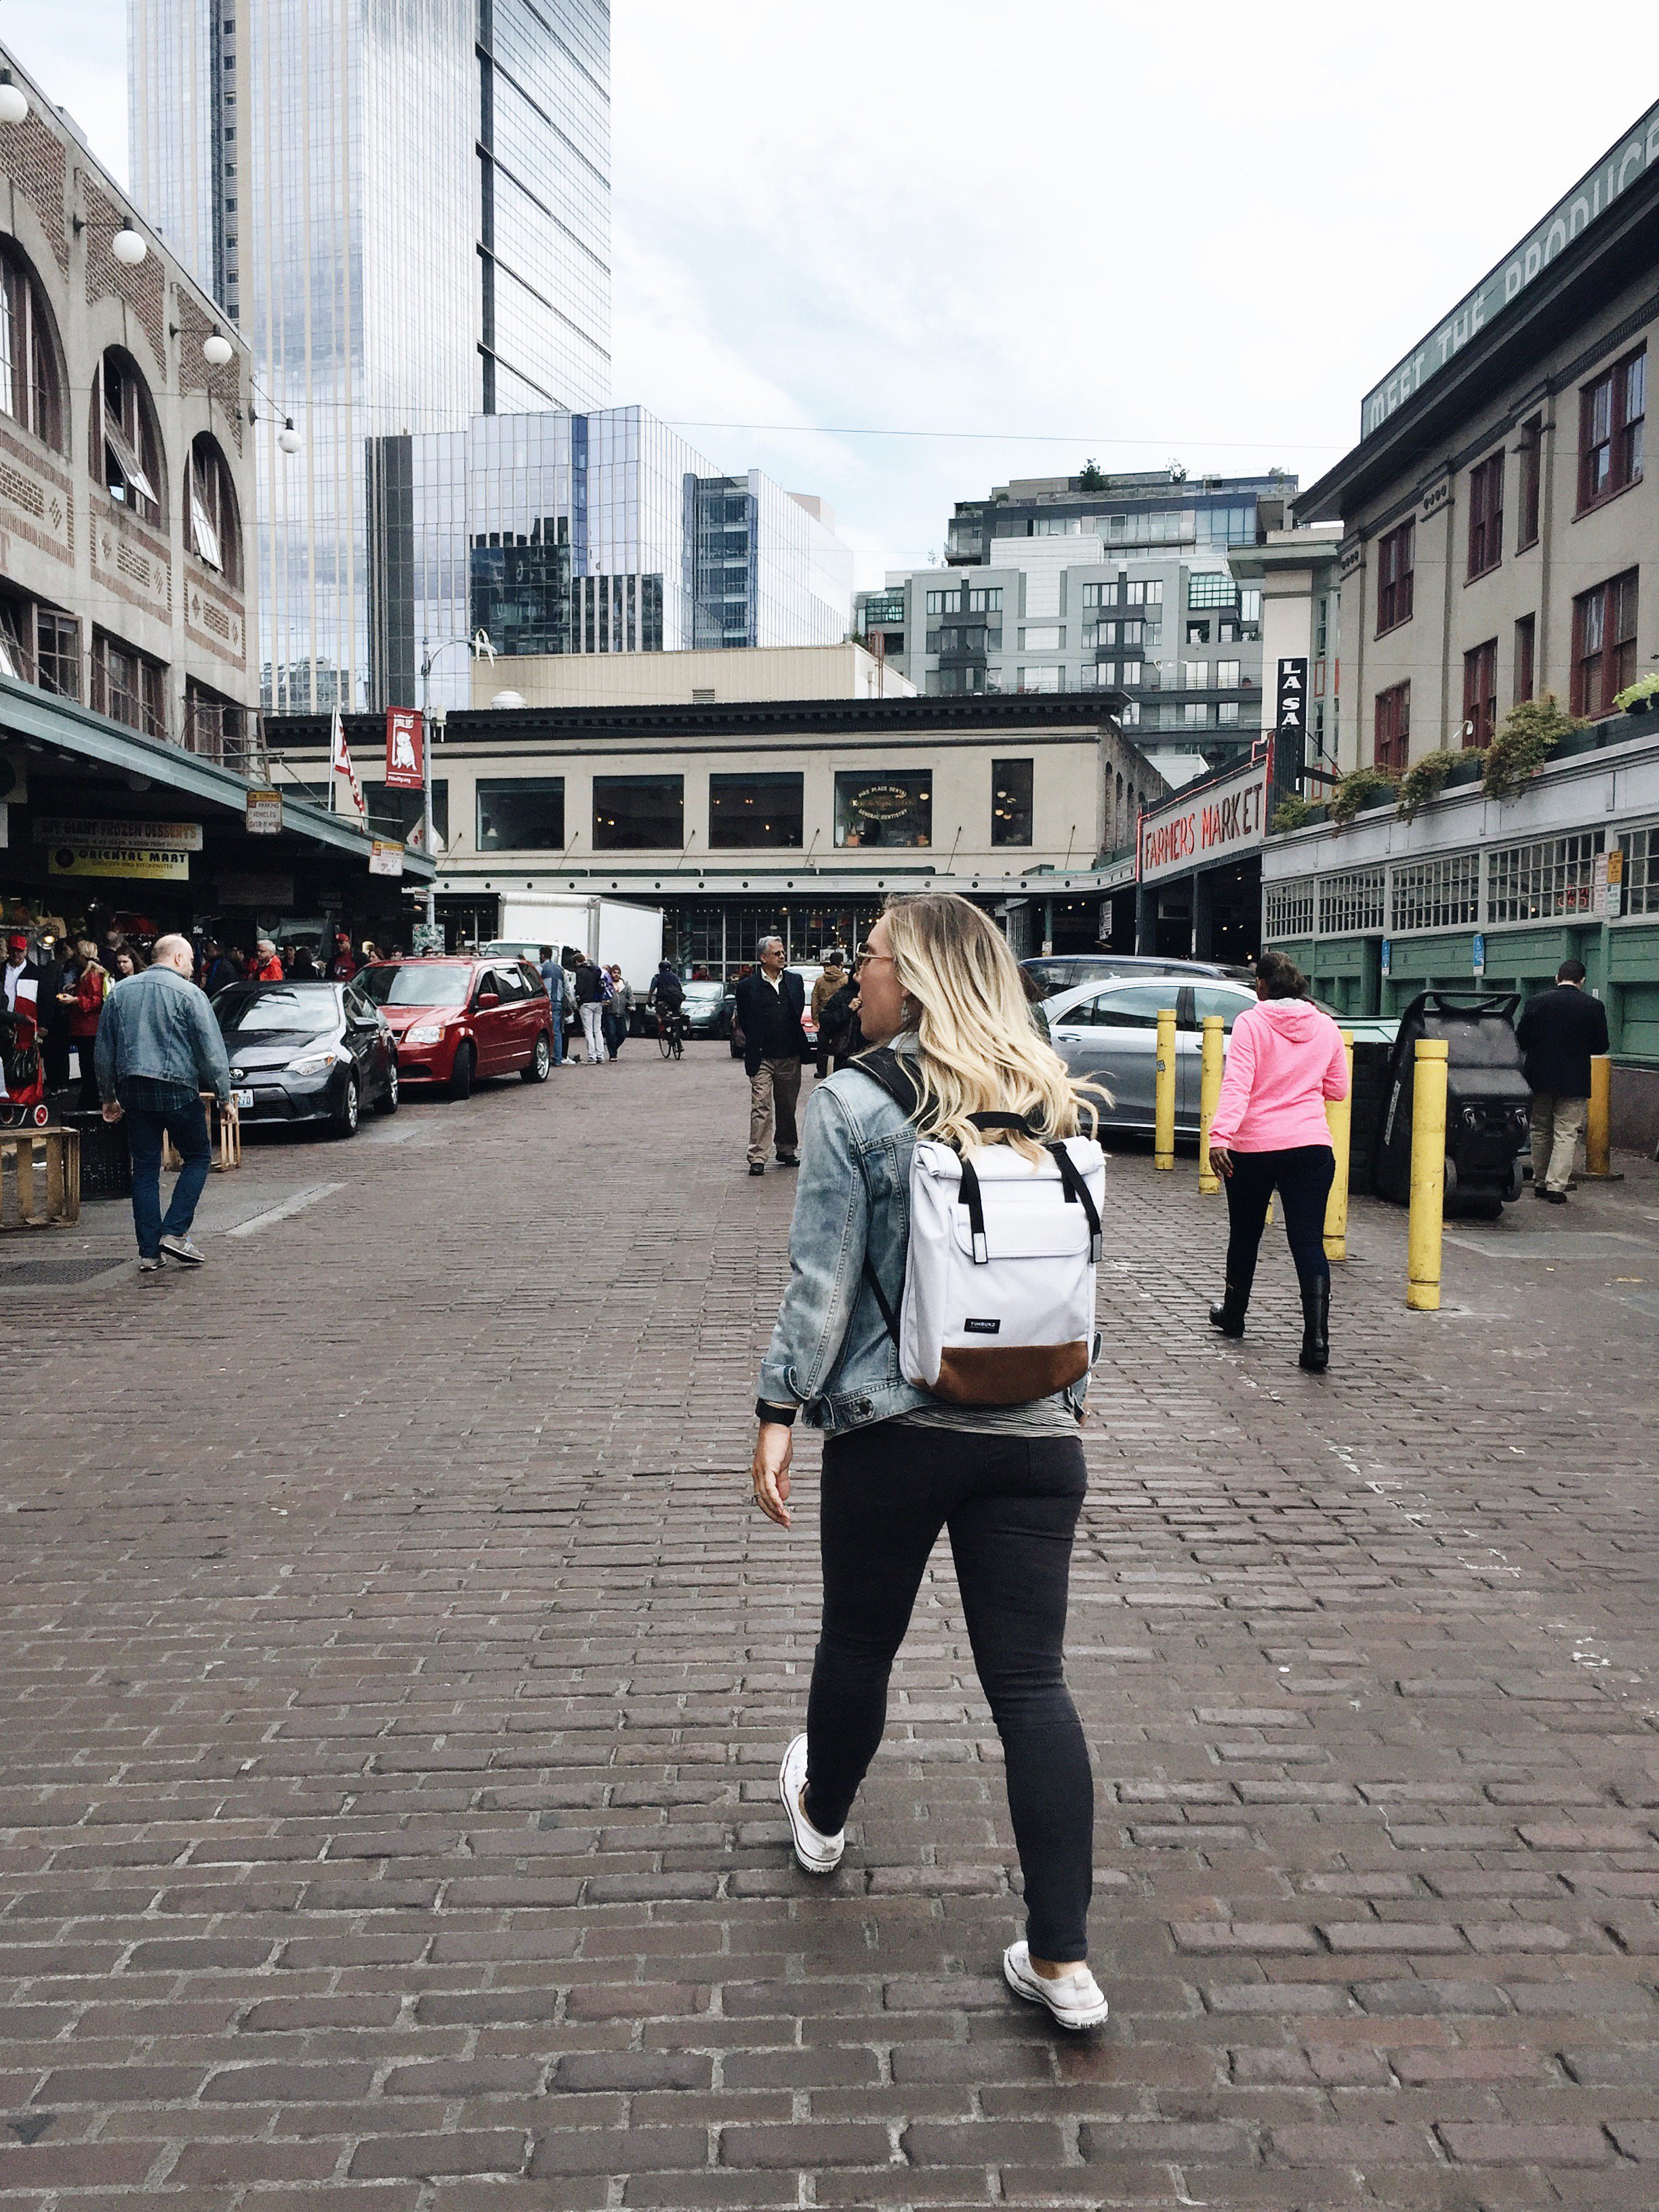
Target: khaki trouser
[1557, 1123]
[774, 1088]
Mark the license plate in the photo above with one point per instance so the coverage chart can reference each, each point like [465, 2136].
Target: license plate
[240, 1099]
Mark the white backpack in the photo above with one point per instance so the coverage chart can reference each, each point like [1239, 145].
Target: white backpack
[999, 1304]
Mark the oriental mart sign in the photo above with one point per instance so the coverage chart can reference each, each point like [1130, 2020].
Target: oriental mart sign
[1216, 824]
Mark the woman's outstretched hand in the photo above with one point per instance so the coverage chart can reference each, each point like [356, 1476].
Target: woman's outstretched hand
[771, 1470]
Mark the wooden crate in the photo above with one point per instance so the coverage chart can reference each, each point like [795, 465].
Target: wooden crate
[226, 1134]
[30, 1158]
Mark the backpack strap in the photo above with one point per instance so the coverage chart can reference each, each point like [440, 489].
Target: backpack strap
[1077, 1194]
[885, 1067]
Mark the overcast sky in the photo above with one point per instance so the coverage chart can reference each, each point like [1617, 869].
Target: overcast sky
[1140, 232]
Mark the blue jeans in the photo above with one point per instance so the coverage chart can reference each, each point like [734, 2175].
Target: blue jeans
[558, 1036]
[155, 1109]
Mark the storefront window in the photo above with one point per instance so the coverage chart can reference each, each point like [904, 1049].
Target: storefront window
[523, 814]
[639, 813]
[883, 806]
[751, 811]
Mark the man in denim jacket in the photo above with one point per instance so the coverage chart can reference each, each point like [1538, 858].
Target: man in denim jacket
[159, 1048]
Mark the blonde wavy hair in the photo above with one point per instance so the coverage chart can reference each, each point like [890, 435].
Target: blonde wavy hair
[980, 1050]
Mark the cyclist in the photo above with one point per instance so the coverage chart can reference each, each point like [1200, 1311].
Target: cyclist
[667, 995]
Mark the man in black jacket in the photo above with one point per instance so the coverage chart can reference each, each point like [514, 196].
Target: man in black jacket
[770, 1003]
[1559, 1033]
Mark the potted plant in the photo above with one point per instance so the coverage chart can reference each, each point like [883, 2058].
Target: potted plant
[1290, 813]
[1529, 732]
[1424, 781]
[1359, 788]
[1639, 697]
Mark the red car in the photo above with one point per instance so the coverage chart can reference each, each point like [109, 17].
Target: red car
[456, 1020]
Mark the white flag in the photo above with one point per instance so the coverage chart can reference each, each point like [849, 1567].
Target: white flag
[340, 764]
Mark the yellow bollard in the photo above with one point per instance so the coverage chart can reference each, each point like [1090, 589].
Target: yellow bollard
[1598, 1129]
[1164, 1100]
[1339, 1119]
[1209, 1091]
[1428, 1176]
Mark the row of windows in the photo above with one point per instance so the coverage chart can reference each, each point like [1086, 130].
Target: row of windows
[42, 644]
[1603, 664]
[747, 812]
[1612, 415]
[126, 455]
[1539, 879]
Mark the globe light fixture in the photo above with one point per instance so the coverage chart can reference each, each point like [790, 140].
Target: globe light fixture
[128, 246]
[509, 699]
[13, 101]
[288, 438]
[218, 349]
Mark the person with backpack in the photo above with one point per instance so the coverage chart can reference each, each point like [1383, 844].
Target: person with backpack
[947, 1372]
[592, 995]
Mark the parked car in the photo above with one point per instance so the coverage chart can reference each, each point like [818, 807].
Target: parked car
[704, 1010]
[1108, 1032]
[1060, 971]
[307, 1051]
[457, 1020]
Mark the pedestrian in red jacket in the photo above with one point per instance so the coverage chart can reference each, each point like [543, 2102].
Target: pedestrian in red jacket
[266, 967]
[343, 966]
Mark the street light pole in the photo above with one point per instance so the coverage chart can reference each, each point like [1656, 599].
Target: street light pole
[478, 643]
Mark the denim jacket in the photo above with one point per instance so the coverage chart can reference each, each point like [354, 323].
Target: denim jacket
[831, 1352]
[159, 1025]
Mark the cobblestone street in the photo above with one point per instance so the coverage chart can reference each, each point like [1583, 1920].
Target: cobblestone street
[396, 1670]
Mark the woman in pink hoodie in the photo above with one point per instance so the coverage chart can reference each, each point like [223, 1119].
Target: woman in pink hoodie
[1284, 1059]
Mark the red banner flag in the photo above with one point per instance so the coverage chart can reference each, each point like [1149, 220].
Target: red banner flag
[404, 739]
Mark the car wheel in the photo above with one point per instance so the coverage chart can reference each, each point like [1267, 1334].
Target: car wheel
[541, 1061]
[461, 1075]
[387, 1101]
[344, 1119]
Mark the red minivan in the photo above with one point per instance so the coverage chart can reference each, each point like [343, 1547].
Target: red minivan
[456, 1020]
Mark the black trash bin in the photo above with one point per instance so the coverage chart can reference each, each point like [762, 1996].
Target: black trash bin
[106, 1160]
[1369, 1103]
[1487, 1101]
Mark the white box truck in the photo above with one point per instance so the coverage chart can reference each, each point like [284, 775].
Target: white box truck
[606, 929]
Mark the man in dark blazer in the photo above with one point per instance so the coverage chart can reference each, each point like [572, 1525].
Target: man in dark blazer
[770, 1003]
[1559, 1033]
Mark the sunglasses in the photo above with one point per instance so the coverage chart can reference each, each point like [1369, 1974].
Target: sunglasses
[865, 953]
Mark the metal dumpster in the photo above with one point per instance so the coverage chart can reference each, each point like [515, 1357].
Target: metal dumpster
[1487, 1101]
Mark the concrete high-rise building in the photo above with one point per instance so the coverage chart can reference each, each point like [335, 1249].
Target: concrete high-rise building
[404, 205]
[1094, 583]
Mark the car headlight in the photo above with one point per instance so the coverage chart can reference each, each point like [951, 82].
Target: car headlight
[313, 1063]
[425, 1033]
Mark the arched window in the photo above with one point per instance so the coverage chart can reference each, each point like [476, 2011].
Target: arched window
[126, 445]
[31, 384]
[216, 531]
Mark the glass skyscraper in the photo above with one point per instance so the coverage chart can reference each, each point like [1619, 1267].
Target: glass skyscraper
[595, 533]
[404, 206]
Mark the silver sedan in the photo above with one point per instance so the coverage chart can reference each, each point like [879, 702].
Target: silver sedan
[1108, 1032]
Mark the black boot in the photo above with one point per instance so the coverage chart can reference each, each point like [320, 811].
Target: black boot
[1316, 1326]
[1228, 1316]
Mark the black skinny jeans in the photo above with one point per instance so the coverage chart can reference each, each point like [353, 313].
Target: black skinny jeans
[1303, 1174]
[1011, 1505]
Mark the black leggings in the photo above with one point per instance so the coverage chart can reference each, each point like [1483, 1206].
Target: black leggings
[1303, 1174]
[1011, 1505]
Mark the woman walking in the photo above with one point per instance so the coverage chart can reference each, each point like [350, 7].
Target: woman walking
[618, 1008]
[938, 983]
[1284, 1059]
[85, 1007]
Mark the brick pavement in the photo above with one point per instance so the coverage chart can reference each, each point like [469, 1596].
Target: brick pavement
[395, 1673]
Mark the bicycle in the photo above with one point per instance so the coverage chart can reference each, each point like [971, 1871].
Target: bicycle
[670, 1034]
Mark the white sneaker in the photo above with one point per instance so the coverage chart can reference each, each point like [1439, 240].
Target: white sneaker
[1076, 1999]
[816, 1852]
[182, 1250]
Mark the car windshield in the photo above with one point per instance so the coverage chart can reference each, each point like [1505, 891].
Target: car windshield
[704, 991]
[416, 986]
[275, 1007]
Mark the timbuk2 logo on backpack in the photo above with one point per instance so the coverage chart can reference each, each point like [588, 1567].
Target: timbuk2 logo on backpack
[999, 1246]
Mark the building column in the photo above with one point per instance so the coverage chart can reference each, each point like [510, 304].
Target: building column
[1203, 910]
